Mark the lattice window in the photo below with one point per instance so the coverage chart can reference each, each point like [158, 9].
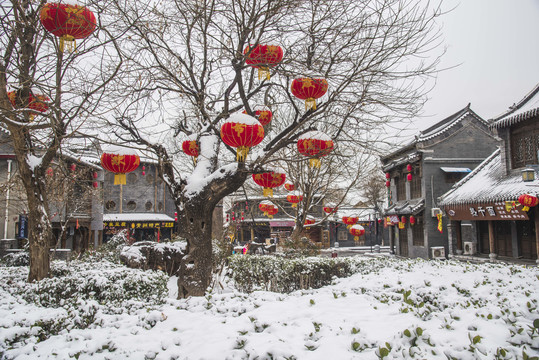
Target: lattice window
[525, 145]
[400, 183]
[415, 185]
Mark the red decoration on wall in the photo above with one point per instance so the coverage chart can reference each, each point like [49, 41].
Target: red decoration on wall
[120, 165]
[309, 90]
[94, 175]
[412, 220]
[409, 177]
[68, 22]
[388, 176]
[388, 183]
[403, 219]
[242, 132]
[95, 184]
[315, 144]
[262, 57]
[409, 167]
[263, 116]
[269, 180]
[528, 201]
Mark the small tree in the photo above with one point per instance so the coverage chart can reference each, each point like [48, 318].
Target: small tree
[187, 72]
[32, 67]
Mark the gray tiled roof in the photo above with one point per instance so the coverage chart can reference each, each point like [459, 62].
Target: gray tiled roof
[526, 108]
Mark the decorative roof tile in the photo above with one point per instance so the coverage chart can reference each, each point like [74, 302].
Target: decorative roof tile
[527, 108]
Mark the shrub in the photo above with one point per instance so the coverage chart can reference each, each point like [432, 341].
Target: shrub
[285, 275]
[16, 259]
[299, 247]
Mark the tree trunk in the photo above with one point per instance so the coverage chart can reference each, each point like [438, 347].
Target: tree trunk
[40, 232]
[195, 272]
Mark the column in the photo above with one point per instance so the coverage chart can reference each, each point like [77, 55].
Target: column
[491, 241]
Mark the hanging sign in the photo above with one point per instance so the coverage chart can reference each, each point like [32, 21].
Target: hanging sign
[440, 228]
[23, 226]
[486, 211]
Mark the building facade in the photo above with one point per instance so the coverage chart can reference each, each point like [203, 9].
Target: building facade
[418, 173]
[486, 217]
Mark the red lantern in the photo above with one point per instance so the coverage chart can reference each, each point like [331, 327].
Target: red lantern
[379, 221]
[272, 211]
[388, 183]
[314, 144]
[94, 175]
[409, 167]
[528, 201]
[143, 170]
[357, 231]
[176, 216]
[350, 220]
[309, 90]
[242, 132]
[68, 22]
[388, 176]
[403, 219]
[265, 205]
[294, 198]
[37, 103]
[309, 220]
[50, 172]
[190, 147]
[412, 220]
[263, 116]
[289, 186]
[73, 167]
[329, 209]
[269, 180]
[262, 57]
[95, 184]
[120, 164]
[409, 177]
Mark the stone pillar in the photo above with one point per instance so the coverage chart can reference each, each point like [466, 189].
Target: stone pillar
[536, 215]
[451, 243]
[458, 231]
[491, 241]
[391, 240]
[517, 252]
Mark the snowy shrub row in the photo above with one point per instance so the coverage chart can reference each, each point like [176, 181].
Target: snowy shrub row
[104, 283]
[280, 274]
[165, 256]
[16, 259]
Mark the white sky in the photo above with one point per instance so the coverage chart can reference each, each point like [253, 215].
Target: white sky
[496, 43]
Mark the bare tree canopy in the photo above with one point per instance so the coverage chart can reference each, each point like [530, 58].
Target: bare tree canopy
[46, 96]
[185, 73]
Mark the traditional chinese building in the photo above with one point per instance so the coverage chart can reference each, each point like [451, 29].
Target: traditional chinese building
[418, 173]
[486, 218]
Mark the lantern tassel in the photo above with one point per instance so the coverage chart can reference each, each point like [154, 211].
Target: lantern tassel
[310, 104]
[294, 205]
[67, 41]
[270, 216]
[315, 163]
[263, 73]
[268, 192]
[356, 238]
[525, 208]
[119, 179]
[195, 161]
[241, 153]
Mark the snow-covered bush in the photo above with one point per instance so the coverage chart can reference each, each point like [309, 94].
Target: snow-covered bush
[109, 251]
[299, 247]
[16, 259]
[284, 275]
[165, 256]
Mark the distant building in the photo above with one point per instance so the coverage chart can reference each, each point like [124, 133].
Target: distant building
[418, 173]
[486, 218]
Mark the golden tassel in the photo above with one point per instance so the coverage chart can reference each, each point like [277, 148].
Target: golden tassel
[310, 103]
[526, 208]
[314, 162]
[241, 153]
[119, 179]
[294, 205]
[263, 72]
[268, 192]
[69, 42]
[195, 161]
[356, 238]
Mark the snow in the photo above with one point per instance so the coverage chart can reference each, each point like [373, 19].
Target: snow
[34, 161]
[119, 150]
[433, 309]
[241, 118]
[357, 226]
[318, 135]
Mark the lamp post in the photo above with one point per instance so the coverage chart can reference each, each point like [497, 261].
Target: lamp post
[528, 174]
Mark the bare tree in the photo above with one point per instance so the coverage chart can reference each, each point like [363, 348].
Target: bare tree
[189, 75]
[32, 67]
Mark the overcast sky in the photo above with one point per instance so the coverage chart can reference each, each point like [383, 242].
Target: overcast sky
[496, 43]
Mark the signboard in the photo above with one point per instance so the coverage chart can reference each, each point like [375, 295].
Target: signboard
[485, 211]
[282, 223]
[23, 226]
[137, 225]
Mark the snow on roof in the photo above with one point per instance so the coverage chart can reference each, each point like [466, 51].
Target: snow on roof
[488, 183]
[449, 169]
[137, 217]
[406, 207]
[525, 109]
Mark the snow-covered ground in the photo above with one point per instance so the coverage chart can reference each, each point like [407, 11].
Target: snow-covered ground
[402, 309]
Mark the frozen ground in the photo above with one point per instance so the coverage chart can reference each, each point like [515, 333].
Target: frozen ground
[402, 309]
